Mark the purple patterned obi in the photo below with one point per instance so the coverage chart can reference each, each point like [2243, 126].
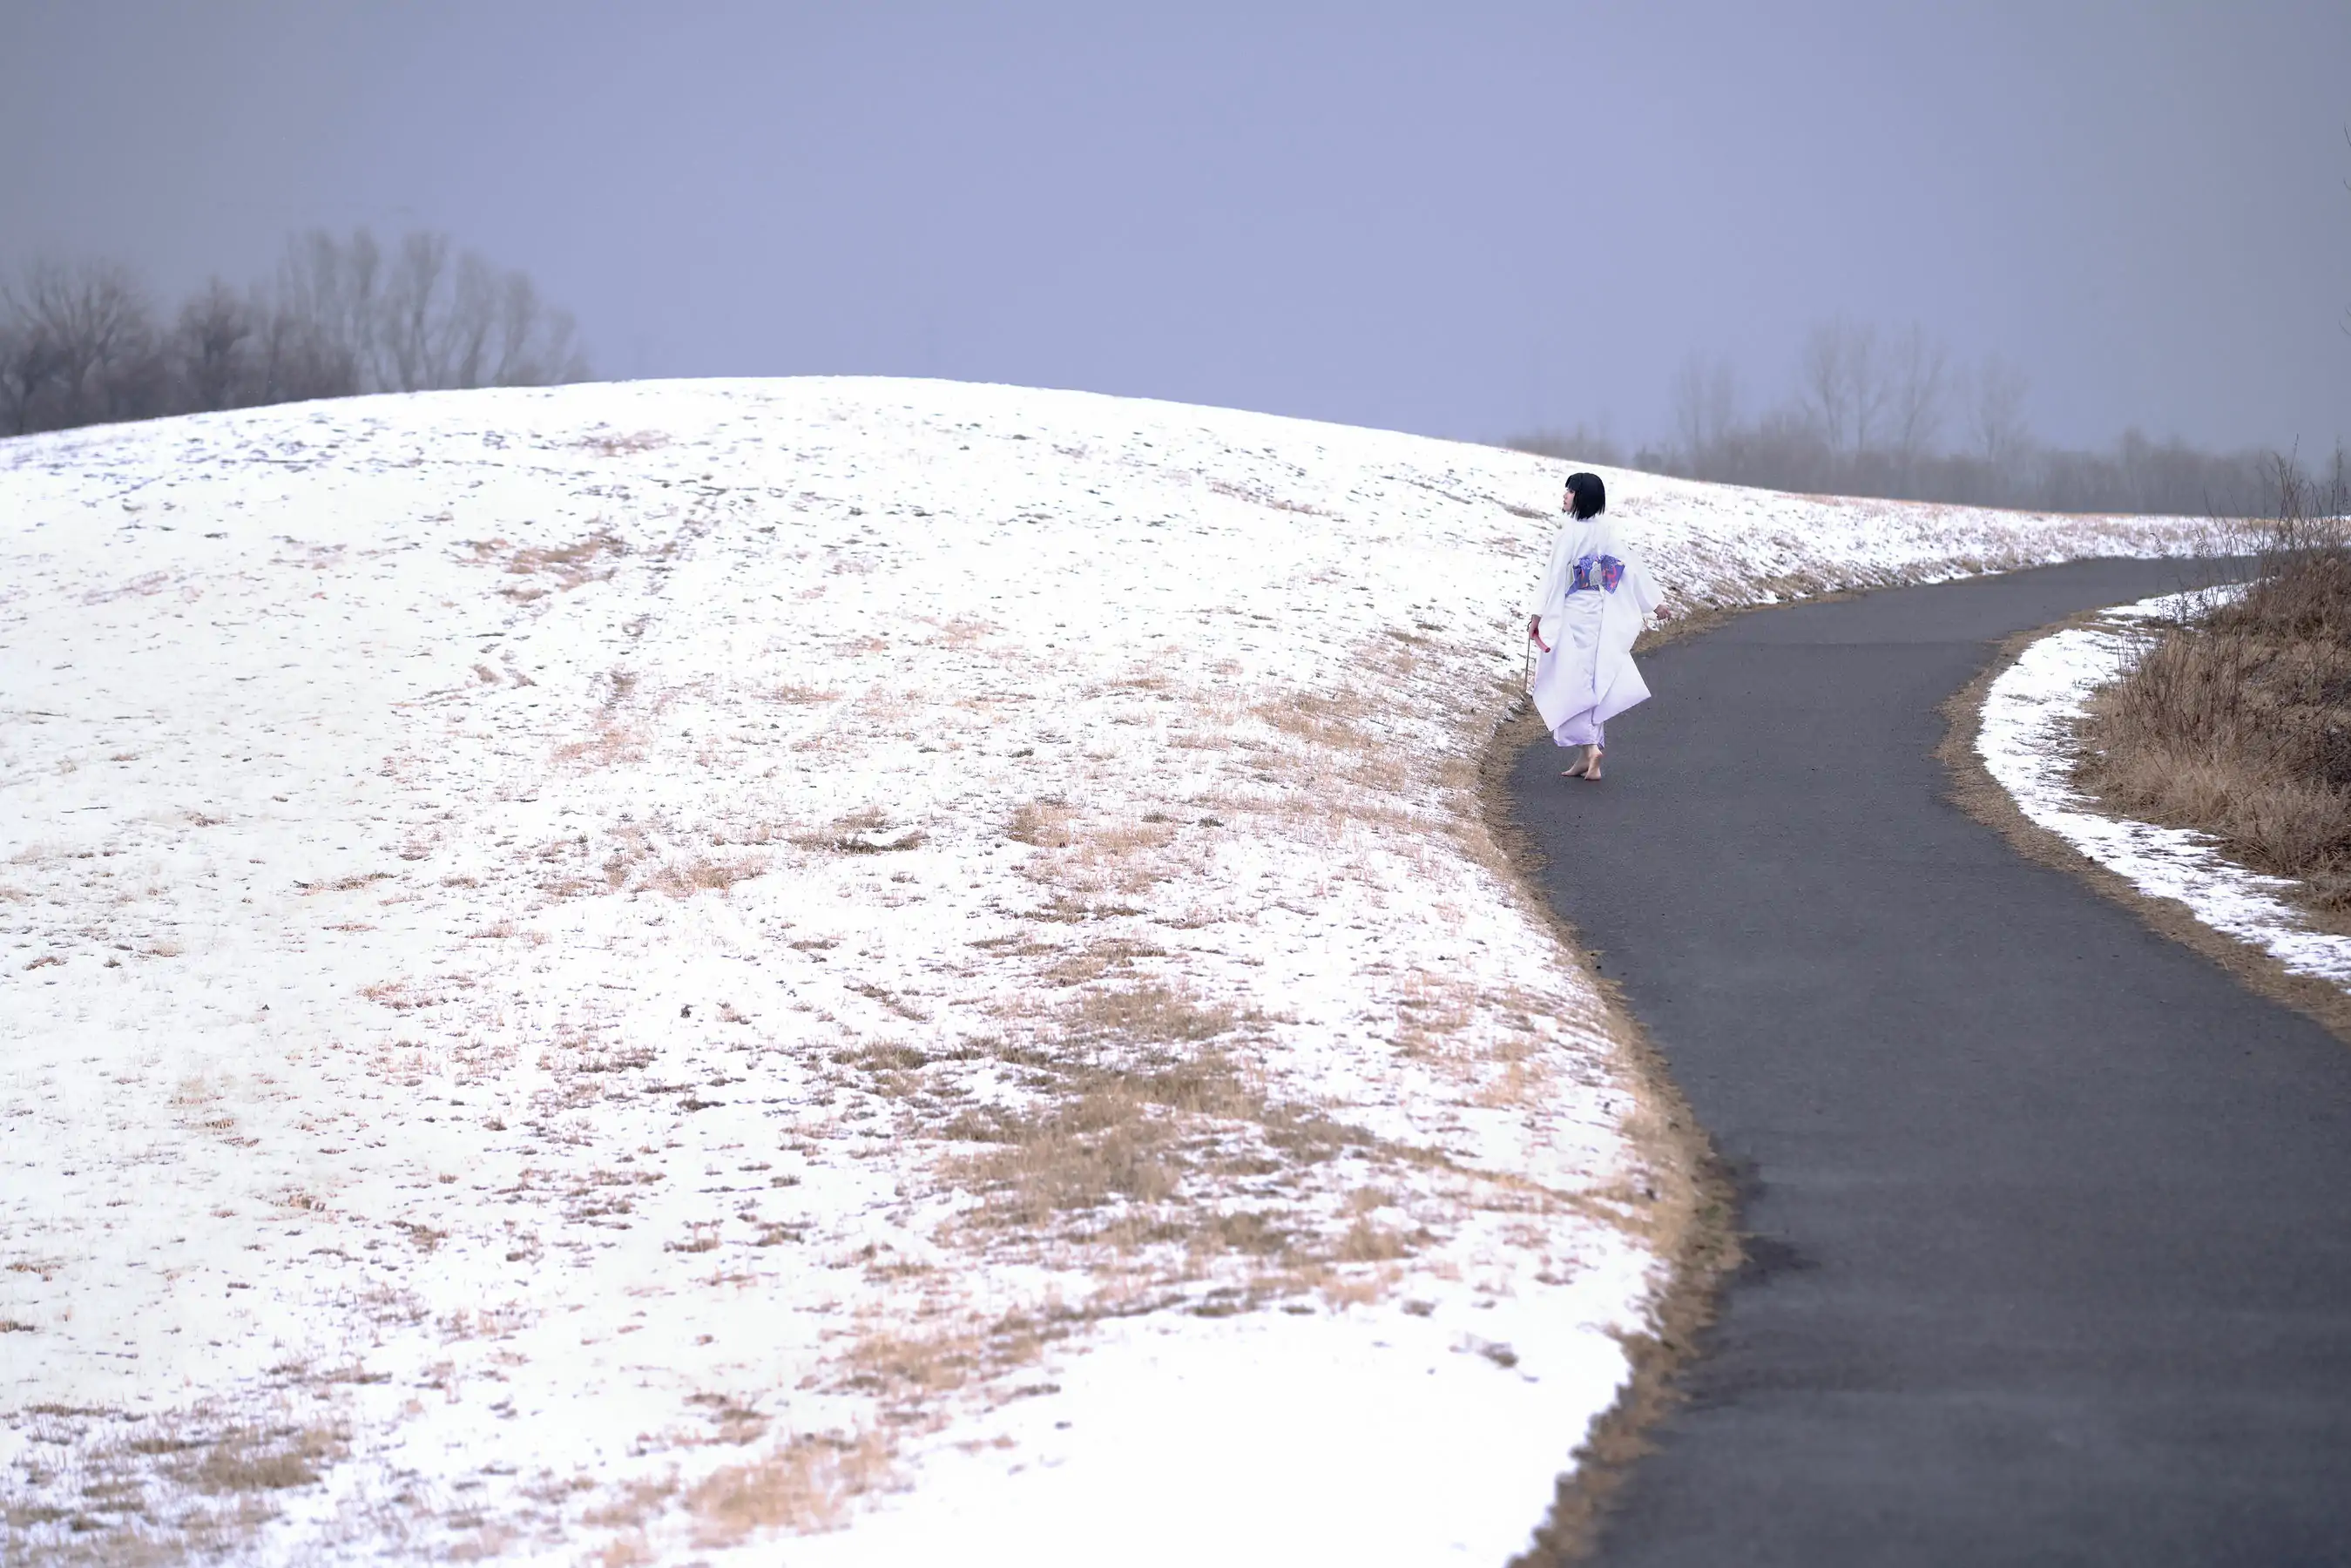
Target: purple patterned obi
[1606, 570]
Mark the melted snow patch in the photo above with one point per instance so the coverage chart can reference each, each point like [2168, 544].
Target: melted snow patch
[2032, 712]
[1154, 1406]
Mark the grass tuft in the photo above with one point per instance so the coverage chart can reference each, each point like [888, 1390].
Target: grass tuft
[804, 1488]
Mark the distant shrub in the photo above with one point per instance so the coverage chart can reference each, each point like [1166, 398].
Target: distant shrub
[2238, 722]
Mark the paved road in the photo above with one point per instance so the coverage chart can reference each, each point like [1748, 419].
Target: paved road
[2053, 1219]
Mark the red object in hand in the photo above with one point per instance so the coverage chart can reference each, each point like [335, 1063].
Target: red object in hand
[1535, 631]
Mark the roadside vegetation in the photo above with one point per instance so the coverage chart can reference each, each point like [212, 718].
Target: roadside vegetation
[2237, 722]
[85, 343]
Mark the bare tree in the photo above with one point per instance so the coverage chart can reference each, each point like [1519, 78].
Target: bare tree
[1867, 415]
[1825, 393]
[1918, 376]
[535, 346]
[344, 316]
[428, 317]
[1843, 384]
[1581, 444]
[79, 343]
[294, 362]
[211, 350]
[1996, 417]
[326, 299]
[1706, 408]
[81, 347]
[29, 364]
[416, 327]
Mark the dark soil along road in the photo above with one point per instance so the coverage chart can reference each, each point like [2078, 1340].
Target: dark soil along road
[2050, 1218]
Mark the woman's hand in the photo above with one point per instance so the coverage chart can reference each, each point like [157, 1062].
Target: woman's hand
[1534, 630]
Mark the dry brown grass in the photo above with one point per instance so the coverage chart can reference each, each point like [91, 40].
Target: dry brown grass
[345, 883]
[629, 1505]
[570, 565]
[1086, 858]
[1111, 1135]
[866, 830]
[1258, 495]
[1098, 959]
[1118, 840]
[703, 874]
[586, 559]
[399, 996]
[807, 1486]
[1149, 1013]
[963, 630]
[610, 743]
[701, 1237]
[1326, 721]
[615, 444]
[1432, 1011]
[174, 1488]
[2237, 722]
[1079, 1155]
[1046, 824]
[1367, 1242]
[259, 1459]
[1245, 1230]
[908, 1366]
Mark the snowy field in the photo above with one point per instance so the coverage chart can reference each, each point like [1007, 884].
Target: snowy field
[630, 973]
[2032, 713]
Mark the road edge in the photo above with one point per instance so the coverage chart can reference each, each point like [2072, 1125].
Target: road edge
[1976, 792]
[1695, 1228]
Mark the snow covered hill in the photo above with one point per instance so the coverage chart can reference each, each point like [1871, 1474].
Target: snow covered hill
[625, 972]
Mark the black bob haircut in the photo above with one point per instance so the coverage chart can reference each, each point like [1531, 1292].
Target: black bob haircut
[1591, 495]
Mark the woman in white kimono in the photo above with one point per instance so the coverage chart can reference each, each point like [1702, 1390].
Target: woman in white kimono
[1593, 598]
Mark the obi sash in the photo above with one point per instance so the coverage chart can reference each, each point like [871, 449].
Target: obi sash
[1596, 574]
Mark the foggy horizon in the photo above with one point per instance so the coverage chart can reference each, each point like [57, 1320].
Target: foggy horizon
[1474, 224]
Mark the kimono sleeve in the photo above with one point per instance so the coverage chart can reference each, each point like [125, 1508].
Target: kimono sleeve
[1641, 587]
[1550, 594]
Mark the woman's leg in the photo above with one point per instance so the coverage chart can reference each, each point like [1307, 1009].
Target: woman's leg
[1574, 731]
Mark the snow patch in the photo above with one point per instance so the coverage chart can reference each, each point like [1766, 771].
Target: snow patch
[2032, 711]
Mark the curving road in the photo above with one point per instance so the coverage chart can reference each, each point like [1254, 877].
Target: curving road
[2050, 1218]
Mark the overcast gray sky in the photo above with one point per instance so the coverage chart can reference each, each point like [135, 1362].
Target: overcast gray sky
[1456, 218]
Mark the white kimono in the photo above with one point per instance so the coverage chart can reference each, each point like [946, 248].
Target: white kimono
[1594, 600]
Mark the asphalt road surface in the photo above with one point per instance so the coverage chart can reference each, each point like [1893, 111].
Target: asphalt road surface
[2050, 1218]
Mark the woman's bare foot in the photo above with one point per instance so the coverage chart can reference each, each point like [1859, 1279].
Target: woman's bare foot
[1591, 769]
[1577, 770]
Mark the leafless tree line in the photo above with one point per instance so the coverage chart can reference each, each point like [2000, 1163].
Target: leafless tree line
[1872, 412]
[1890, 413]
[84, 343]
